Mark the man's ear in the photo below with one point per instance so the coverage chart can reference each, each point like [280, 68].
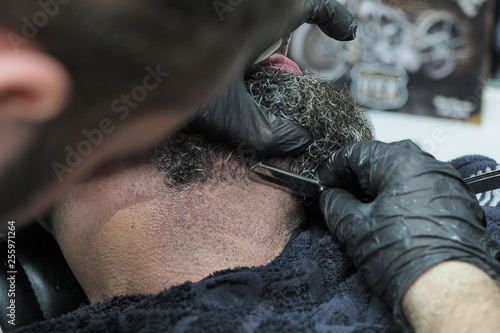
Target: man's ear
[34, 87]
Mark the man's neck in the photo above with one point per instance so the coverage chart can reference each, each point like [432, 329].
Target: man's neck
[211, 228]
[143, 237]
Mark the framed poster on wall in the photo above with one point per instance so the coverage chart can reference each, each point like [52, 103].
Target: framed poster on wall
[422, 57]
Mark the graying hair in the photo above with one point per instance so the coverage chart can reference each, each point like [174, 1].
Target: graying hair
[332, 117]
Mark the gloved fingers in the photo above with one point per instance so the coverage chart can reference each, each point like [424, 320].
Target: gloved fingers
[330, 16]
[373, 165]
[348, 165]
[333, 19]
[275, 136]
[407, 144]
[343, 213]
[236, 118]
[269, 135]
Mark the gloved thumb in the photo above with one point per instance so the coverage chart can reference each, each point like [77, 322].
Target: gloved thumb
[343, 213]
[272, 135]
[238, 119]
[332, 18]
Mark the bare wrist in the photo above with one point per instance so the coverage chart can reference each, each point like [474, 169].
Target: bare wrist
[453, 297]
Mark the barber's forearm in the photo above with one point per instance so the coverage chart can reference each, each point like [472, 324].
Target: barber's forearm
[453, 297]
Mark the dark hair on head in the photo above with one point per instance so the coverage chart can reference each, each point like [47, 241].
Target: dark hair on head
[106, 46]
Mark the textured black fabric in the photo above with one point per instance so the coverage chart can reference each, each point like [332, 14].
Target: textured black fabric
[311, 286]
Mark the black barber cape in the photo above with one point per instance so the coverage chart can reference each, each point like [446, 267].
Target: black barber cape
[311, 287]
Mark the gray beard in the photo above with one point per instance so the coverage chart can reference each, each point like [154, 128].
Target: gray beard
[332, 117]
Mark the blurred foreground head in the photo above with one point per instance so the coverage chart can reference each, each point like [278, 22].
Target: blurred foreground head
[85, 81]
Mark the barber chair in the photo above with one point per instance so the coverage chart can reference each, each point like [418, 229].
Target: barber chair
[44, 285]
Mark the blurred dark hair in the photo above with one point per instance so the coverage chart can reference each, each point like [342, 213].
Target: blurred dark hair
[106, 46]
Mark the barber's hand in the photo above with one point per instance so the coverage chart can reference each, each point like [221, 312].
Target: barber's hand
[330, 16]
[422, 213]
[235, 117]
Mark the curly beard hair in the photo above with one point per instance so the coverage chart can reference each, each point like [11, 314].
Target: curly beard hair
[331, 115]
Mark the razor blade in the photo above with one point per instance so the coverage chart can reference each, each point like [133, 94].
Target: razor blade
[286, 180]
[311, 188]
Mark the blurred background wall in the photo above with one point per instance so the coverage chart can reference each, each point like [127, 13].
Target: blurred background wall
[425, 70]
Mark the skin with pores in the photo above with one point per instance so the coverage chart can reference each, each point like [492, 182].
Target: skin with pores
[125, 232]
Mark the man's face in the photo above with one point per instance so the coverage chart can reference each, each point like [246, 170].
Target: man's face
[186, 208]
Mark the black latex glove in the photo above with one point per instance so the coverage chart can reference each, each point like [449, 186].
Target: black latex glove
[235, 117]
[330, 16]
[422, 214]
